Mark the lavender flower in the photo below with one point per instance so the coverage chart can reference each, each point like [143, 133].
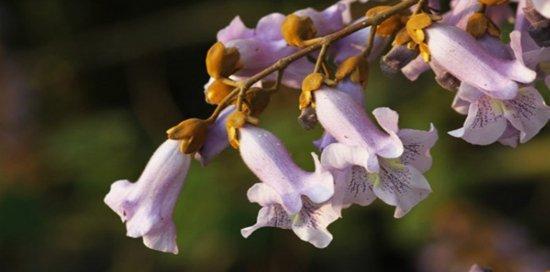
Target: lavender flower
[369, 162]
[458, 16]
[455, 51]
[509, 121]
[146, 206]
[359, 140]
[266, 156]
[309, 224]
[355, 90]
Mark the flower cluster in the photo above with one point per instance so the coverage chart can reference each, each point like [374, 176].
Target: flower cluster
[362, 157]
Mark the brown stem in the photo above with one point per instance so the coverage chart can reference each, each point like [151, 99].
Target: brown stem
[318, 44]
[420, 6]
[370, 42]
[321, 57]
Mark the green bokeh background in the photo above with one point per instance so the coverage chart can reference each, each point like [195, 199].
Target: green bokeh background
[88, 87]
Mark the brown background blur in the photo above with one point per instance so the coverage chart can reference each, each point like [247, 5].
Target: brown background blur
[88, 87]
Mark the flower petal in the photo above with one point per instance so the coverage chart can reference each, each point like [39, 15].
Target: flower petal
[510, 137]
[388, 120]
[348, 123]
[269, 216]
[309, 224]
[484, 125]
[324, 141]
[269, 27]
[455, 51]
[417, 145]
[341, 156]
[402, 187]
[415, 68]
[162, 239]
[312, 222]
[352, 187]
[235, 30]
[266, 156]
[327, 21]
[527, 112]
[146, 206]
[543, 7]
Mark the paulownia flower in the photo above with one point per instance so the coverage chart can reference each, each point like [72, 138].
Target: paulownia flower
[266, 156]
[309, 224]
[461, 55]
[370, 162]
[264, 45]
[146, 206]
[356, 91]
[458, 16]
[509, 121]
[358, 137]
[261, 47]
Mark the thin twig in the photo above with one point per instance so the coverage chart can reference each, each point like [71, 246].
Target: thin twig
[419, 7]
[370, 41]
[321, 57]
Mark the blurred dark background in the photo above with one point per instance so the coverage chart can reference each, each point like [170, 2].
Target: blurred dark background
[88, 87]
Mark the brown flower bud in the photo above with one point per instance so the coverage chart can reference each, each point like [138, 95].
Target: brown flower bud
[305, 100]
[477, 24]
[401, 38]
[415, 26]
[296, 30]
[388, 26]
[356, 68]
[216, 92]
[235, 121]
[313, 82]
[221, 61]
[424, 52]
[192, 134]
[419, 21]
[256, 101]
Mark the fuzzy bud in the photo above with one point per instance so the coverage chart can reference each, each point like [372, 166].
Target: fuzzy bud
[256, 101]
[479, 24]
[389, 26]
[216, 92]
[192, 134]
[415, 26]
[235, 121]
[311, 83]
[221, 61]
[296, 30]
[356, 68]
